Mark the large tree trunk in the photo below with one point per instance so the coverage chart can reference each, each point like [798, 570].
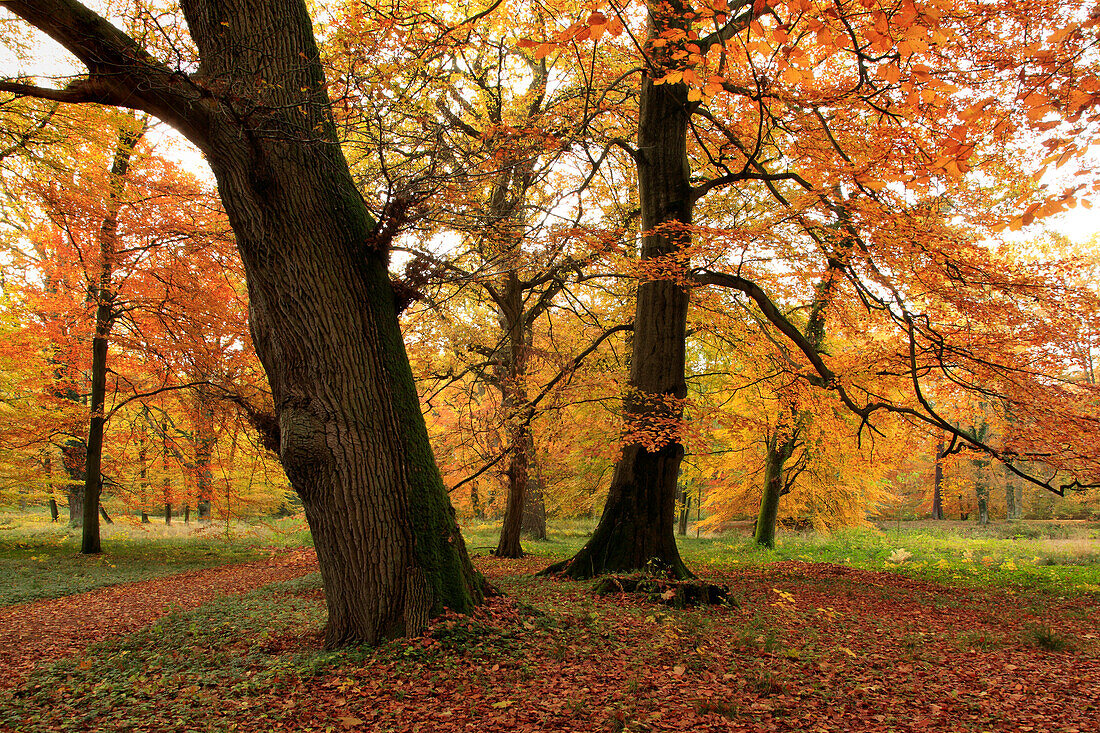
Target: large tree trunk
[352, 438]
[636, 529]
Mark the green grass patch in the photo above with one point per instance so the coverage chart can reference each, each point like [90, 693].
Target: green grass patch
[39, 559]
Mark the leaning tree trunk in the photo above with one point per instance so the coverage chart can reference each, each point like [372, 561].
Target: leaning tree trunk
[352, 438]
[636, 529]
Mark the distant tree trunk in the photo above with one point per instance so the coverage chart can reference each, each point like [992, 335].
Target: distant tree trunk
[187, 514]
[981, 490]
[72, 458]
[106, 517]
[165, 481]
[47, 465]
[1013, 496]
[204, 452]
[637, 527]
[475, 501]
[128, 138]
[518, 427]
[777, 452]
[685, 509]
[937, 496]
[781, 444]
[534, 510]
[143, 476]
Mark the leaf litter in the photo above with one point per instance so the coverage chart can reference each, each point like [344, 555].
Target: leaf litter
[809, 647]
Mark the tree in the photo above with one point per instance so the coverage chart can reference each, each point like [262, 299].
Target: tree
[351, 436]
[811, 104]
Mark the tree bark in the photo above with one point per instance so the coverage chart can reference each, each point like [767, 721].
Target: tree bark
[636, 529]
[534, 509]
[72, 459]
[937, 496]
[352, 439]
[54, 514]
[685, 510]
[775, 458]
[128, 139]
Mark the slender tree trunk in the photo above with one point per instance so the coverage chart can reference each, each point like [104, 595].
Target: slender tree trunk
[685, 510]
[54, 514]
[187, 514]
[937, 496]
[128, 139]
[72, 459]
[636, 529]
[166, 481]
[93, 477]
[518, 427]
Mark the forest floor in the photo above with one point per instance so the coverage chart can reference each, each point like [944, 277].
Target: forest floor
[807, 646]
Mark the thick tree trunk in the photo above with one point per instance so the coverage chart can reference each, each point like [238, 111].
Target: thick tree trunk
[352, 438]
[937, 496]
[636, 529]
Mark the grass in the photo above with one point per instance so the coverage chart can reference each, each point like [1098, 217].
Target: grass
[39, 559]
[1060, 557]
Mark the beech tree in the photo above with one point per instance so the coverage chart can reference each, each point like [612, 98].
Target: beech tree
[351, 436]
[801, 101]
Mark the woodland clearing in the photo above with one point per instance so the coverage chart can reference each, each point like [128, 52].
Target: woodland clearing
[955, 636]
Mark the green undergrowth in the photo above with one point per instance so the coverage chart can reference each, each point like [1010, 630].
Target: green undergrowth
[39, 559]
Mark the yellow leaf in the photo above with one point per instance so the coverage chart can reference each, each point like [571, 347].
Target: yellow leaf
[349, 721]
[847, 651]
[503, 704]
[694, 95]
